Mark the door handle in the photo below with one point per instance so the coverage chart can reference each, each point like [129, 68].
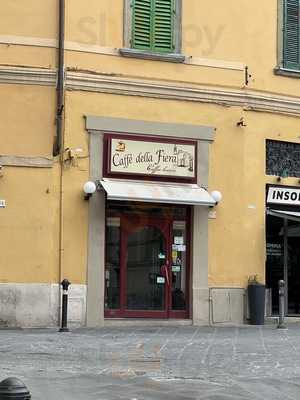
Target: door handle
[165, 272]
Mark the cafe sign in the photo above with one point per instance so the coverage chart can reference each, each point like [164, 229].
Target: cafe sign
[152, 158]
[284, 195]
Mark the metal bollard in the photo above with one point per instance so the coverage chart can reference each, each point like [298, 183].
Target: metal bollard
[64, 312]
[281, 287]
[13, 389]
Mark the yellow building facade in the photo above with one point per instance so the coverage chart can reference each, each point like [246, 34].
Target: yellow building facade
[217, 88]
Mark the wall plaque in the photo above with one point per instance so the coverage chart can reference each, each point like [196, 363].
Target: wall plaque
[152, 158]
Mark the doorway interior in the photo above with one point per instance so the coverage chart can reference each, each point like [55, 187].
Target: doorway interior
[283, 261]
[147, 256]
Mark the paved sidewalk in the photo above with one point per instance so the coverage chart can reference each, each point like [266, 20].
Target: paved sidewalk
[155, 363]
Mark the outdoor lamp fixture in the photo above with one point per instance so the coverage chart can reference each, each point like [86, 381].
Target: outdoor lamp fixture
[217, 196]
[89, 189]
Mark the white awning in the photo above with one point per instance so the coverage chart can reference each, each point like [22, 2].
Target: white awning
[290, 215]
[157, 192]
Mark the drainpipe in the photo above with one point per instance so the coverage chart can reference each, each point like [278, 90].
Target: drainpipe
[59, 140]
[60, 81]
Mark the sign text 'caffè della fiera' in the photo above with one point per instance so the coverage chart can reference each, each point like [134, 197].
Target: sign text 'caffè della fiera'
[156, 158]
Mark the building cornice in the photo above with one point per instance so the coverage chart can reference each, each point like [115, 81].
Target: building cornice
[248, 99]
[27, 75]
[26, 161]
[104, 83]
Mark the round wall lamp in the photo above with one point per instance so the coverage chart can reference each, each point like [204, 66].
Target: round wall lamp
[217, 196]
[89, 189]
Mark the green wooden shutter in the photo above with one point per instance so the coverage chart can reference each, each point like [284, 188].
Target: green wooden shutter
[163, 25]
[153, 25]
[291, 40]
[142, 25]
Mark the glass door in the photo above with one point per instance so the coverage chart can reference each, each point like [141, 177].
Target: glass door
[283, 262]
[145, 263]
[147, 260]
[293, 267]
[179, 268]
[275, 245]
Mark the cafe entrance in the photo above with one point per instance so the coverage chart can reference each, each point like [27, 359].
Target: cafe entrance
[147, 260]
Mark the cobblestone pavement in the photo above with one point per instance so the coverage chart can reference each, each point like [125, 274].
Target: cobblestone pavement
[155, 363]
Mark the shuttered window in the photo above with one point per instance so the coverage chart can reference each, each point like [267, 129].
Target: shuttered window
[153, 25]
[291, 30]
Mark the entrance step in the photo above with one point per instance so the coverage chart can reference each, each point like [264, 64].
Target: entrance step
[288, 320]
[116, 322]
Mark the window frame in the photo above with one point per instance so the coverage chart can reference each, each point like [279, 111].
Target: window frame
[281, 69]
[174, 56]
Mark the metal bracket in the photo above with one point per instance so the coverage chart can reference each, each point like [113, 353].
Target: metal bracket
[247, 76]
[99, 186]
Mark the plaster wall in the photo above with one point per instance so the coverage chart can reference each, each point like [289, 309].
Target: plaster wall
[31, 18]
[239, 34]
[29, 223]
[237, 169]
[33, 23]
[27, 126]
[33, 56]
[217, 46]
[236, 236]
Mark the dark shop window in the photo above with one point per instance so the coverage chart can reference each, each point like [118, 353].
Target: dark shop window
[282, 159]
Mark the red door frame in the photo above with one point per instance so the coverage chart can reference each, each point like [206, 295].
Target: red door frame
[165, 225]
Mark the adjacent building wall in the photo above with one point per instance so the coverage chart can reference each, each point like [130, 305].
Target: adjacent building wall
[208, 89]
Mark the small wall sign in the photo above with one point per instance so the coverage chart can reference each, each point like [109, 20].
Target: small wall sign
[155, 157]
[178, 240]
[2, 203]
[274, 249]
[283, 195]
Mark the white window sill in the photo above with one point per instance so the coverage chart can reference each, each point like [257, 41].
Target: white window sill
[287, 72]
[147, 55]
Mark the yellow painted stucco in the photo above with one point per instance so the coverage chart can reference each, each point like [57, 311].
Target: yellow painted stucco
[30, 56]
[29, 225]
[38, 197]
[32, 18]
[28, 120]
[237, 235]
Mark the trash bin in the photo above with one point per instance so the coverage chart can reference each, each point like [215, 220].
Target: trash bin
[256, 300]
